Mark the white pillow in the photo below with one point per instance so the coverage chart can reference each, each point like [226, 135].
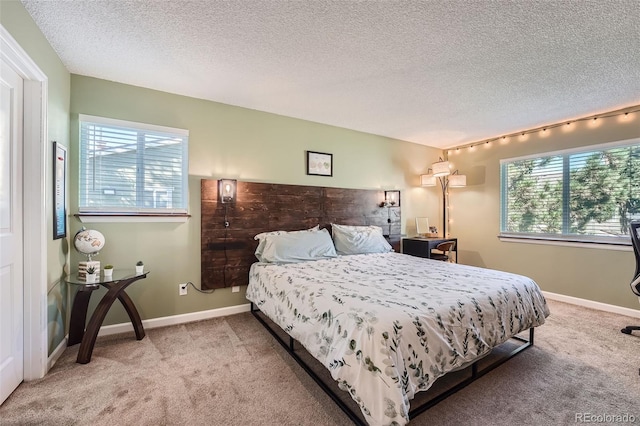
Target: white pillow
[263, 235]
[359, 239]
[294, 247]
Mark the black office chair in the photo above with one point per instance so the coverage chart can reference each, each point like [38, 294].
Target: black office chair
[445, 251]
[635, 283]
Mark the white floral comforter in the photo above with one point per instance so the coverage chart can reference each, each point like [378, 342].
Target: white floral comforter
[388, 325]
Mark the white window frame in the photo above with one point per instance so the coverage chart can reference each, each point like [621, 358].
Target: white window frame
[137, 214]
[622, 242]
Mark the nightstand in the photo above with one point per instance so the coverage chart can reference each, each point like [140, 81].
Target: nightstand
[115, 285]
[421, 247]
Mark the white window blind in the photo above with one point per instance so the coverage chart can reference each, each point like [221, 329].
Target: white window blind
[583, 195]
[132, 168]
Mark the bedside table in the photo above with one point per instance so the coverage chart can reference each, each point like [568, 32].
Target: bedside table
[115, 285]
[421, 247]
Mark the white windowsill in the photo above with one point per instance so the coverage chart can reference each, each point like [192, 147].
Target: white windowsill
[554, 242]
[128, 218]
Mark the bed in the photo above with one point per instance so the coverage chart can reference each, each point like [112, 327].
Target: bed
[385, 326]
[388, 325]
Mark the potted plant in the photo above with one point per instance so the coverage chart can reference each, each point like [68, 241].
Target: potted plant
[91, 274]
[108, 271]
[139, 267]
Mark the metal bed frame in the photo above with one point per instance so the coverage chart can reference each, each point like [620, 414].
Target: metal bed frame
[475, 373]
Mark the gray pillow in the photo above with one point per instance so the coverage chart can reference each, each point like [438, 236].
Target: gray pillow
[263, 235]
[294, 247]
[350, 239]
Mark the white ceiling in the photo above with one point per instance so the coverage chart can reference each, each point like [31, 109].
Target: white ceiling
[439, 73]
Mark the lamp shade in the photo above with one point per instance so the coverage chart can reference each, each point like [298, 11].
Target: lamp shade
[427, 180]
[457, 181]
[441, 168]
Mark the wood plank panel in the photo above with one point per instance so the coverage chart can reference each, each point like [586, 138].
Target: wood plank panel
[228, 252]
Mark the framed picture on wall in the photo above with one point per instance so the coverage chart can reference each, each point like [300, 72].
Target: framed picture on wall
[59, 191]
[319, 163]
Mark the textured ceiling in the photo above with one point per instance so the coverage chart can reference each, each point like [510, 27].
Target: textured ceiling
[439, 73]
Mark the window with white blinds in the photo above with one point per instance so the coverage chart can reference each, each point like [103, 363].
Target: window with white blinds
[132, 168]
[586, 195]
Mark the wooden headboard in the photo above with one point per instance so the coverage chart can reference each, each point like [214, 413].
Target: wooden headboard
[228, 252]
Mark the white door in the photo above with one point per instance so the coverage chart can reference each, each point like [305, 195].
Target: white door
[11, 236]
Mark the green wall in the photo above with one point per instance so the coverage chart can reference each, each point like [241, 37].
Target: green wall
[231, 142]
[594, 273]
[17, 21]
[227, 141]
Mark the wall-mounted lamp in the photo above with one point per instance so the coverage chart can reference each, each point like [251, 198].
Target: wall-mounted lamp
[441, 171]
[391, 199]
[227, 191]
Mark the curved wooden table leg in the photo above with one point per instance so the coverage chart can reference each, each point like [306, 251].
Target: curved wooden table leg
[133, 314]
[116, 291]
[79, 315]
[91, 333]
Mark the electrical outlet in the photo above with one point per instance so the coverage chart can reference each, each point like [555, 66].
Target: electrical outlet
[235, 289]
[182, 289]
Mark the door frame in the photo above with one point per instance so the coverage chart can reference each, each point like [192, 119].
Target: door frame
[34, 206]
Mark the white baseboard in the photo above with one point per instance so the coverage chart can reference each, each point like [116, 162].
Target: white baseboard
[175, 319]
[56, 353]
[232, 310]
[593, 305]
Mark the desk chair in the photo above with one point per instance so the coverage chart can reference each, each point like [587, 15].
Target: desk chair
[445, 251]
[635, 283]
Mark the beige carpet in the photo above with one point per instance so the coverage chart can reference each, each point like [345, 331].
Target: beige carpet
[230, 371]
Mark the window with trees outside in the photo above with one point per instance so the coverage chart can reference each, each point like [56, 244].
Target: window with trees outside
[586, 195]
[129, 168]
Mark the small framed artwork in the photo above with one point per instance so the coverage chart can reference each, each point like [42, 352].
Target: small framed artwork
[422, 226]
[59, 191]
[319, 163]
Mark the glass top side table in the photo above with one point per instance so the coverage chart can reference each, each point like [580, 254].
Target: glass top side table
[115, 285]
